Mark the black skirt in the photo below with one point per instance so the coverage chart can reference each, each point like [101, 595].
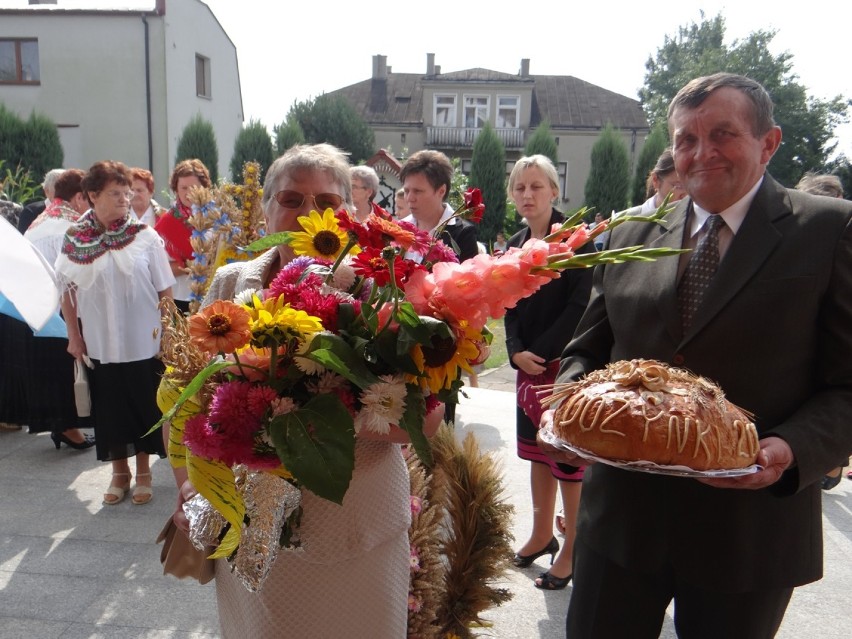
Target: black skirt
[13, 401]
[124, 408]
[49, 377]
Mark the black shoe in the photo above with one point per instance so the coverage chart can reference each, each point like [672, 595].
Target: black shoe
[552, 547]
[829, 482]
[546, 581]
[60, 438]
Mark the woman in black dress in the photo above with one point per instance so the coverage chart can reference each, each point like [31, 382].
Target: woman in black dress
[537, 330]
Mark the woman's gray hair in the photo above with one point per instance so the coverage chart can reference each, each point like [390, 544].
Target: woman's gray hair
[542, 162]
[369, 178]
[49, 181]
[313, 157]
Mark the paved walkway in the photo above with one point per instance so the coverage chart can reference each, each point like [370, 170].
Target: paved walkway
[72, 568]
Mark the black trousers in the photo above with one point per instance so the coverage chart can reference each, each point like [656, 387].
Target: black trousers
[611, 602]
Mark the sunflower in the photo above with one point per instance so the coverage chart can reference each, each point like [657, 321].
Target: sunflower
[444, 359]
[275, 320]
[322, 236]
[221, 327]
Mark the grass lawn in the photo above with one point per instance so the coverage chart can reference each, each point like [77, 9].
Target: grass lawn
[498, 355]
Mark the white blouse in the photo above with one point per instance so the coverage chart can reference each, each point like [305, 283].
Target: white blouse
[118, 307]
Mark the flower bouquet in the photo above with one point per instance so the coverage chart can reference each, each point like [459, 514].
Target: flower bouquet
[367, 330]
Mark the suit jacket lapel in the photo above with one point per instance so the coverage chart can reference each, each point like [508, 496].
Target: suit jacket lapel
[663, 272]
[751, 246]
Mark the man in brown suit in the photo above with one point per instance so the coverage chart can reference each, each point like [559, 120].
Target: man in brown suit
[774, 329]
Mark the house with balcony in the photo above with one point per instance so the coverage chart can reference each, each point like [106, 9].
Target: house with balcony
[122, 84]
[446, 111]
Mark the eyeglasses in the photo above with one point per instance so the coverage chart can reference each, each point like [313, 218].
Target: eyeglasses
[294, 200]
[119, 195]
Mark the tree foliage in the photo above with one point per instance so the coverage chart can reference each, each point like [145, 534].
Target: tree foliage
[655, 144]
[841, 166]
[252, 144]
[198, 140]
[288, 134]
[609, 175]
[807, 123]
[542, 142]
[32, 144]
[333, 120]
[488, 174]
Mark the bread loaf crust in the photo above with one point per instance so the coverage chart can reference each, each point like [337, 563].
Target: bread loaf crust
[644, 410]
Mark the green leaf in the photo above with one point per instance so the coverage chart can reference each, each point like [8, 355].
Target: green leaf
[614, 256]
[192, 388]
[268, 241]
[393, 348]
[406, 315]
[333, 352]
[317, 445]
[412, 423]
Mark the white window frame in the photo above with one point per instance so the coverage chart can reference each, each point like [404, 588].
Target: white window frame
[203, 88]
[487, 106]
[453, 110]
[516, 108]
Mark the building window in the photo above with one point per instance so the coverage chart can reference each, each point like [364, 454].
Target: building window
[19, 61]
[202, 77]
[475, 111]
[445, 110]
[507, 111]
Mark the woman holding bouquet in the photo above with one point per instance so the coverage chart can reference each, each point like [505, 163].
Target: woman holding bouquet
[116, 271]
[351, 577]
[537, 330]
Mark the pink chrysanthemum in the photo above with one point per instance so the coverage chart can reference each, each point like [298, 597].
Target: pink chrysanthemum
[259, 399]
[201, 439]
[228, 410]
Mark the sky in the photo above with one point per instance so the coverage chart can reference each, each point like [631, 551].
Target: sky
[290, 51]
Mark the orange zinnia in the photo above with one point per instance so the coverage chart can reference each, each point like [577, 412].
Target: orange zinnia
[392, 230]
[222, 327]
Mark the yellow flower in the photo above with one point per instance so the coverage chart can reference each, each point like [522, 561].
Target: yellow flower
[322, 236]
[275, 319]
[442, 362]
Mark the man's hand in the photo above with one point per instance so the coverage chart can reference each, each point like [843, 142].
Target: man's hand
[775, 456]
[557, 454]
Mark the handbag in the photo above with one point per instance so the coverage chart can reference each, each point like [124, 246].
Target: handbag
[181, 559]
[82, 398]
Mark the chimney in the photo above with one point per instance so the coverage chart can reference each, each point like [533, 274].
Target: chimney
[430, 64]
[160, 8]
[437, 69]
[525, 67]
[42, 2]
[380, 67]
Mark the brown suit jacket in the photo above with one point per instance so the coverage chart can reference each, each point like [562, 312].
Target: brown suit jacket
[775, 331]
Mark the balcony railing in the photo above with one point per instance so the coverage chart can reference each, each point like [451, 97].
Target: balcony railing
[461, 137]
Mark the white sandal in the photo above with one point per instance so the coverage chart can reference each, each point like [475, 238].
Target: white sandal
[141, 494]
[118, 492]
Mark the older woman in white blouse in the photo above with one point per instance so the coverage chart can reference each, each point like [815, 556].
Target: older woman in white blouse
[116, 270]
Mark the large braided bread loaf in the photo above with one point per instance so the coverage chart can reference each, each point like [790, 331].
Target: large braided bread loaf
[643, 410]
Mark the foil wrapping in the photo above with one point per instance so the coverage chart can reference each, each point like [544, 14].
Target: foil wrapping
[269, 502]
[205, 522]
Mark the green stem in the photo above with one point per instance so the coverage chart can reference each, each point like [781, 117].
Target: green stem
[351, 243]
